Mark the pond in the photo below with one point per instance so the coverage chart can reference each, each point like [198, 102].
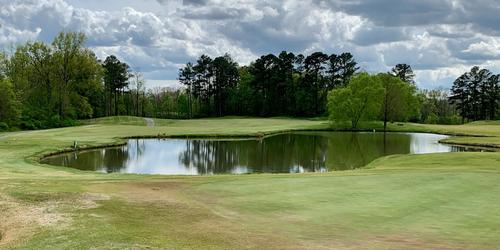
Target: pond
[295, 152]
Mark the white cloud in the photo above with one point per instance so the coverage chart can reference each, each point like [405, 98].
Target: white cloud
[440, 39]
[489, 47]
[151, 84]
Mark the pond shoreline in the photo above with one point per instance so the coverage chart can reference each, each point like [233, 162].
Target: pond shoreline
[258, 136]
[261, 135]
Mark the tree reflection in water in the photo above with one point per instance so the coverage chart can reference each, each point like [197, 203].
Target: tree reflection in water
[277, 154]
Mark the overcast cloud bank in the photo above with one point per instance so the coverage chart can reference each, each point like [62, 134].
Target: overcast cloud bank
[439, 39]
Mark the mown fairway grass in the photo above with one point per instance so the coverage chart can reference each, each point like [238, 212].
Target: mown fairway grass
[448, 200]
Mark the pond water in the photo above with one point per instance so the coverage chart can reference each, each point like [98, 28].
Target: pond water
[284, 153]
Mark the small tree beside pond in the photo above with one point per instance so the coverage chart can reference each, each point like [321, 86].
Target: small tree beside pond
[360, 100]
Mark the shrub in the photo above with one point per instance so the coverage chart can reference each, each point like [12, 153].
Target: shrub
[28, 125]
[54, 121]
[4, 126]
[455, 120]
[68, 123]
[432, 119]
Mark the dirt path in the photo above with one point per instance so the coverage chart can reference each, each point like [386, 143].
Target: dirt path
[150, 122]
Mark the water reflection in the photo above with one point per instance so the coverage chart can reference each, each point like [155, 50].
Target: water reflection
[285, 153]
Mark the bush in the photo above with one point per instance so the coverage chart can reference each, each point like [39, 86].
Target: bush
[432, 119]
[4, 126]
[68, 123]
[455, 120]
[29, 125]
[447, 120]
[54, 121]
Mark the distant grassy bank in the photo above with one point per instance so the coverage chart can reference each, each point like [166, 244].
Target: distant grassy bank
[446, 200]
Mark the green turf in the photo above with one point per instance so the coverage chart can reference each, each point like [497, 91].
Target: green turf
[446, 200]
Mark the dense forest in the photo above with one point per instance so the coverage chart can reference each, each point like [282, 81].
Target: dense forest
[52, 85]
[286, 84]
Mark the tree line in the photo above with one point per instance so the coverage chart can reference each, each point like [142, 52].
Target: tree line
[476, 94]
[392, 96]
[273, 85]
[46, 83]
[51, 85]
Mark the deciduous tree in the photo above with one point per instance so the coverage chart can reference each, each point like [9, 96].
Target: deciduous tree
[9, 105]
[399, 99]
[360, 100]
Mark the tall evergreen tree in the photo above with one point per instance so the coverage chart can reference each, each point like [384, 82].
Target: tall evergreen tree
[491, 97]
[340, 69]
[203, 84]
[286, 89]
[226, 77]
[315, 65]
[116, 76]
[263, 70]
[476, 94]
[404, 72]
[187, 77]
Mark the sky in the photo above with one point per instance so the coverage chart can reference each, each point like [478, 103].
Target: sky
[440, 39]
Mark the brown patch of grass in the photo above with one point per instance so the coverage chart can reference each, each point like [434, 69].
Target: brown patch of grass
[22, 216]
[20, 220]
[165, 191]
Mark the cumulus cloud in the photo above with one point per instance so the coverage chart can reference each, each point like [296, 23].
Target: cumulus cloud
[440, 39]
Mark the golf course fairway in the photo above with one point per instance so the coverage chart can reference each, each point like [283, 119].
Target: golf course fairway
[427, 201]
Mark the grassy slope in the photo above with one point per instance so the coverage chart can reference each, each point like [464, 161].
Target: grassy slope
[410, 201]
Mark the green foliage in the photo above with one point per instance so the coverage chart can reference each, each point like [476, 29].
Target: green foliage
[399, 101]
[68, 51]
[211, 81]
[476, 94]
[432, 119]
[273, 85]
[3, 65]
[63, 79]
[167, 103]
[341, 68]
[9, 105]
[4, 126]
[83, 107]
[436, 109]
[55, 84]
[368, 97]
[183, 105]
[360, 100]
[116, 76]
[404, 72]
[242, 99]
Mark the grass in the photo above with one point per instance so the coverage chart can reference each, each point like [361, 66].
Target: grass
[446, 200]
